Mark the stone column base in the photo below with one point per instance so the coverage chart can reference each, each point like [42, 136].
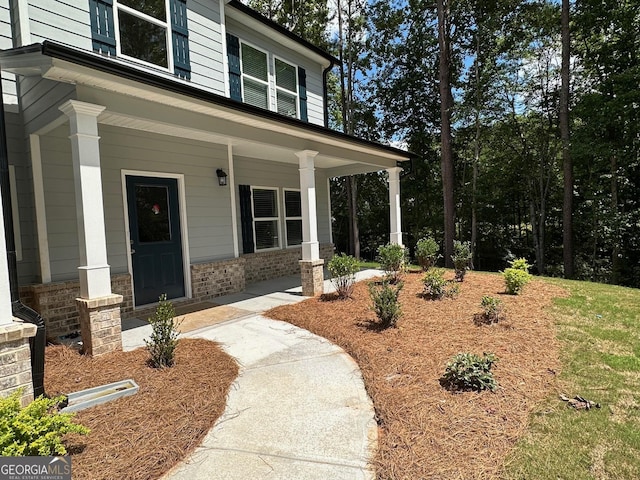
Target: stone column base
[312, 275]
[15, 359]
[100, 324]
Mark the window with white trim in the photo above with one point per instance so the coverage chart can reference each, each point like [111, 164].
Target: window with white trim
[293, 217]
[143, 31]
[266, 218]
[286, 88]
[255, 76]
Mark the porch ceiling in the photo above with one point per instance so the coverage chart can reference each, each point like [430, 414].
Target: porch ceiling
[163, 104]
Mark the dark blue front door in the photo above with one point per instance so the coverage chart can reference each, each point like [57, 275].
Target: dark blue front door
[156, 241]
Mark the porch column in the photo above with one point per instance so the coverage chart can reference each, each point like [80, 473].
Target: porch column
[99, 308]
[394, 205]
[311, 265]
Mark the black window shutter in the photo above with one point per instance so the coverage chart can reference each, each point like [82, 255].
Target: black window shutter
[233, 57]
[246, 219]
[102, 28]
[180, 39]
[302, 91]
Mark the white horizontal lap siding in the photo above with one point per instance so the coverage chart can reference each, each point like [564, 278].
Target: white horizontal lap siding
[313, 70]
[67, 22]
[59, 198]
[40, 99]
[205, 45]
[263, 173]
[8, 79]
[208, 206]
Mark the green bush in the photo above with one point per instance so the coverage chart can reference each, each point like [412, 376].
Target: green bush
[392, 258]
[385, 303]
[343, 269]
[436, 287]
[427, 252]
[492, 308]
[461, 258]
[35, 430]
[468, 371]
[517, 276]
[164, 334]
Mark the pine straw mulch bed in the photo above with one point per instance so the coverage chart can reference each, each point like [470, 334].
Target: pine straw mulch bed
[426, 431]
[144, 435]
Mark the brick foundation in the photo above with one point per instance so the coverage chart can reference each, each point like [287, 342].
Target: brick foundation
[213, 279]
[312, 275]
[262, 266]
[100, 324]
[15, 360]
[56, 302]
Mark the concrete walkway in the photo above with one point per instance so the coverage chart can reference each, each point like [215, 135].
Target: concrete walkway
[298, 409]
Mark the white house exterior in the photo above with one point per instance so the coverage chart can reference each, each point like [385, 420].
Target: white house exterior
[121, 116]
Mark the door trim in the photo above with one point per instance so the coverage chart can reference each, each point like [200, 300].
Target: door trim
[182, 208]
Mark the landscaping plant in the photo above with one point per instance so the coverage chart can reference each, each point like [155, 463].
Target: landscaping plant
[492, 308]
[164, 335]
[468, 371]
[427, 252]
[385, 302]
[517, 276]
[461, 258]
[436, 287]
[343, 269]
[392, 258]
[35, 430]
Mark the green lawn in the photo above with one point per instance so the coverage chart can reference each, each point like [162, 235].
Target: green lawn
[599, 330]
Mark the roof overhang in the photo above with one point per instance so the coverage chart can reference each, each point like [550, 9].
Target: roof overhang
[253, 132]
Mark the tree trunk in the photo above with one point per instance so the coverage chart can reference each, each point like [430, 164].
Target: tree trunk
[352, 201]
[616, 265]
[567, 164]
[476, 156]
[446, 102]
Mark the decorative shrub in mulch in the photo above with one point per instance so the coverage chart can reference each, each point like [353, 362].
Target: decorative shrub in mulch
[144, 435]
[425, 430]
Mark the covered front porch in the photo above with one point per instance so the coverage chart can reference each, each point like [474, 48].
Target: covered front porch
[143, 187]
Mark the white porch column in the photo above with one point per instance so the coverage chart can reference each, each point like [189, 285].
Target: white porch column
[95, 274]
[310, 245]
[394, 205]
[311, 265]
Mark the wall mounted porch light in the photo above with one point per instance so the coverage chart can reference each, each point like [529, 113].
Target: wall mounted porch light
[222, 177]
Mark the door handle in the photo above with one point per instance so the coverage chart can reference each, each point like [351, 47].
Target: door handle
[133, 251]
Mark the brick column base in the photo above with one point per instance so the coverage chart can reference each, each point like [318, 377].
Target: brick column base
[312, 277]
[100, 324]
[15, 359]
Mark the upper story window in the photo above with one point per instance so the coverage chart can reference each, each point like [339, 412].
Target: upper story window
[286, 88]
[259, 78]
[255, 76]
[152, 32]
[143, 31]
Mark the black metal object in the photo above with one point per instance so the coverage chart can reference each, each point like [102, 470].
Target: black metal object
[19, 310]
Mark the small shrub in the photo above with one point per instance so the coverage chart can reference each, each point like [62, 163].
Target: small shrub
[385, 303]
[517, 276]
[35, 430]
[343, 269]
[427, 252]
[164, 335]
[461, 258]
[392, 258]
[492, 308]
[436, 287]
[468, 371]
